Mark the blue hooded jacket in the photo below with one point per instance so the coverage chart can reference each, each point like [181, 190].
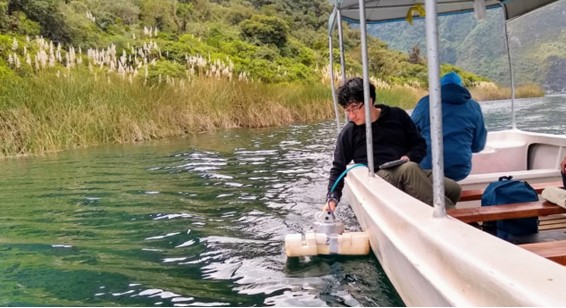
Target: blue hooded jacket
[463, 127]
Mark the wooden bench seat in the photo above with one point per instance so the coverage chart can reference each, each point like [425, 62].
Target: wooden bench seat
[555, 250]
[506, 211]
[475, 194]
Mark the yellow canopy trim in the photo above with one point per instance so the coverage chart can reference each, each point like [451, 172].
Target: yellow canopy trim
[417, 8]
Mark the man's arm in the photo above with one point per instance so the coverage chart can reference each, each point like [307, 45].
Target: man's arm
[342, 157]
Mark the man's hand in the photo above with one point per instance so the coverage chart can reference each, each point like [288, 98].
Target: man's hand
[563, 165]
[330, 206]
[406, 158]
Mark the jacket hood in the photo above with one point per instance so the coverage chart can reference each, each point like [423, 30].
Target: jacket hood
[451, 77]
[454, 94]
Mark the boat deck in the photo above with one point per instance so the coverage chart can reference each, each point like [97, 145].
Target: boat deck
[551, 220]
[549, 242]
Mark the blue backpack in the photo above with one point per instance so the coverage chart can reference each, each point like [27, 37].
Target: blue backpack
[507, 191]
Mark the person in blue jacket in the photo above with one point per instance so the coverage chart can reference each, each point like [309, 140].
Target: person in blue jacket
[462, 124]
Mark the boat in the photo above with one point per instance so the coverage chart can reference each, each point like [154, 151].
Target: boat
[433, 258]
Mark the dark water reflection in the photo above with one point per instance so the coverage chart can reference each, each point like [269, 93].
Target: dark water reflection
[188, 222]
[191, 222]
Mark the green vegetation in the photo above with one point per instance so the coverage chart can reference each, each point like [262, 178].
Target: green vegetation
[254, 38]
[83, 72]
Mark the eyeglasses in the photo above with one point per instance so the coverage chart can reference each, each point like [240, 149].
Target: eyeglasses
[353, 108]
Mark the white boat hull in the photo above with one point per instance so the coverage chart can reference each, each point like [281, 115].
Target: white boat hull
[444, 262]
[527, 156]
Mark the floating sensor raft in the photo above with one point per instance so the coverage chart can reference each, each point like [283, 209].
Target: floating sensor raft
[327, 238]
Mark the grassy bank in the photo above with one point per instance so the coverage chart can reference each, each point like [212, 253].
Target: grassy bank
[50, 113]
[490, 92]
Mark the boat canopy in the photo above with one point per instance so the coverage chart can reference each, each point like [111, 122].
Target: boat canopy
[375, 11]
[392, 10]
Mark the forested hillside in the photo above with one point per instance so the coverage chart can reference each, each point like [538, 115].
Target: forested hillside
[266, 40]
[251, 38]
[537, 40]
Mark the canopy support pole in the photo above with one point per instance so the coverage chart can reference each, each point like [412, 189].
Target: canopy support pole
[341, 42]
[331, 67]
[435, 109]
[342, 59]
[364, 47]
[511, 79]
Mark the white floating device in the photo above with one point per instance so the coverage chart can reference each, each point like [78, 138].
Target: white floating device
[327, 238]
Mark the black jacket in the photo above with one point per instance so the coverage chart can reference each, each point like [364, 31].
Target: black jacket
[394, 135]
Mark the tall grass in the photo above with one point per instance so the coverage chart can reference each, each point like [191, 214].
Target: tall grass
[52, 112]
[49, 113]
[490, 92]
[405, 97]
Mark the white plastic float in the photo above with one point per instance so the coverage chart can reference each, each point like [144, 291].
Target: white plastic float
[328, 238]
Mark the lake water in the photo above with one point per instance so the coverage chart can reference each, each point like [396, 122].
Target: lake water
[196, 221]
[546, 115]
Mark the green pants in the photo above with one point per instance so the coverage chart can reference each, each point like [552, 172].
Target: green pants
[410, 178]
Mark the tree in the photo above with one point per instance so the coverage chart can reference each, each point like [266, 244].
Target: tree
[4, 20]
[183, 14]
[158, 13]
[47, 14]
[415, 54]
[81, 31]
[266, 30]
[115, 12]
[201, 10]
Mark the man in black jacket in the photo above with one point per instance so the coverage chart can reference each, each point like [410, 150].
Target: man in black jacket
[394, 137]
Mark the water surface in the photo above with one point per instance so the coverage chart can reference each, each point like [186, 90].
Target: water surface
[196, 221]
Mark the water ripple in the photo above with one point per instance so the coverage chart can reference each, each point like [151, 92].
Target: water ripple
[198, 221]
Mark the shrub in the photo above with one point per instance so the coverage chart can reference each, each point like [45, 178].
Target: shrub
[24, 26]
[266, 30]
[4, 20]
[6, 75]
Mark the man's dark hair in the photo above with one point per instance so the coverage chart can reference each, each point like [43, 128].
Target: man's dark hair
[352, 91]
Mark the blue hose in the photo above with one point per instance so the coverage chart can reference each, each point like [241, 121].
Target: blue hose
[338, 180]
[344, 174]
